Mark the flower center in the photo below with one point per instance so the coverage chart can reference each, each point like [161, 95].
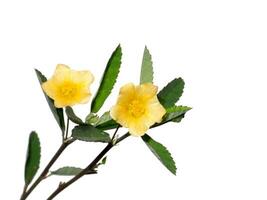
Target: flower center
[68, 90]
[136, 108]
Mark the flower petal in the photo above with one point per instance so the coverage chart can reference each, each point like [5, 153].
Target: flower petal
[50, 88]
[127, 93]
[138, 129]
[156, 110]
[62, 73]
[127, 89]
[68, 87]
[120, 114]
[85, 77]
[146, 90]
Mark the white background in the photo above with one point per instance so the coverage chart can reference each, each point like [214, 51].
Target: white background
[218, 47]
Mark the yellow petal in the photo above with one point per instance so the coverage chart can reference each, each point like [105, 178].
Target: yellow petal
[146, 90]
[50, 88]
[68, 87]
[127, 93]
[61, 104]
[85, 77]
[137, 108]
[62, 73]
[120, 114]
[155, 111]
[138, 129]
[127, 89]
[84, 97]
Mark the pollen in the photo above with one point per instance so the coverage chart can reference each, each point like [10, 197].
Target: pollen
[68, 91]
[136, 108]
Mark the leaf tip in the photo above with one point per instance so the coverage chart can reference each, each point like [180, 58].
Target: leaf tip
[118, 48]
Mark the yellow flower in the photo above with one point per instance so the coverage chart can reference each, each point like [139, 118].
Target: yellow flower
[137, 108]
[68, 87]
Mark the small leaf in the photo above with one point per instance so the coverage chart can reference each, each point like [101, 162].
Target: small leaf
[108, 80]
[175, 111]
[171, 93]
[57, 112]
[161, 153]
[173, 114]
[92, 118]
[103, 161]
[70, 171]
[105, 122]
[33, 157]
[72, 116]
[89, 133]
[104, 118]
[147, 68]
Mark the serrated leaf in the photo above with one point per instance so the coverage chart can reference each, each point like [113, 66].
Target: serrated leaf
[72, 116]
[57, 112]
[161, 153]
[171, 93]
[33, 158]
[105, 122]
[69, 171]
[176, 109]
[173, 114]
[89, 133]
[108, 80]
[146, 75]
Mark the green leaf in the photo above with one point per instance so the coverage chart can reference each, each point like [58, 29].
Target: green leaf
[108, 125]
[33, 157]
[72, 116]
[70, 171]
[102, 162]
[146, 75]
[173, 114]
[171, 93]
[108, 80]
[57, 112]
[89, 133]
[161, 153]
[104, 118]
[92, 118]
[105, 122]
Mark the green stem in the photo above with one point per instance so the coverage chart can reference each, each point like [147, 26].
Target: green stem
[90, 167]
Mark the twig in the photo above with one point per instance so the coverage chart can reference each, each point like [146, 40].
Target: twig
[47, 168]
[91, 166]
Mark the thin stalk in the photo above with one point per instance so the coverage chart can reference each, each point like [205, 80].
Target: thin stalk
[63, 137]
[114, 135]
[90, 167]
[47, 168]
[24, 190]
[67, 129]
